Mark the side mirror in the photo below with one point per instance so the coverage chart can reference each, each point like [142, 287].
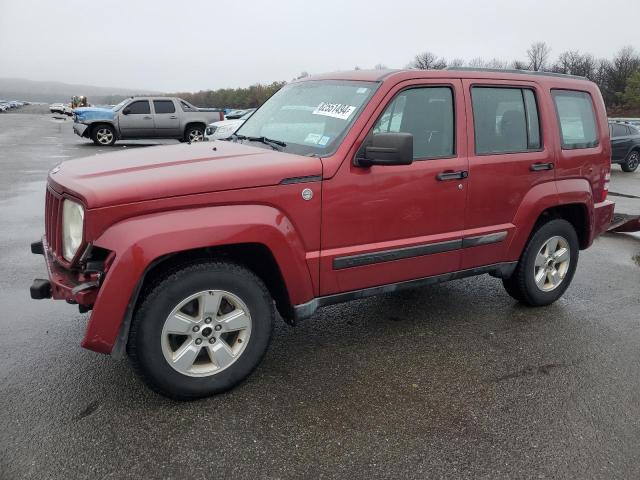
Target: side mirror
[126, 111]
[387, 149]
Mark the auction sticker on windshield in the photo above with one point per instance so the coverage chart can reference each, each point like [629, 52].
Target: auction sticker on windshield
[335, 110]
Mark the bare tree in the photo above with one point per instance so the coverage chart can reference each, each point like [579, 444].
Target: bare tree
[624, 65]
[520, 65]
[380, 66]
[495, 63]
[428, 61]
[538, 54]
[574, 63]
[456, 63]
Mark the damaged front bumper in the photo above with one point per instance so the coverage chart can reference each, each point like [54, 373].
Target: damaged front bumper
[76, 287]
[80, 129]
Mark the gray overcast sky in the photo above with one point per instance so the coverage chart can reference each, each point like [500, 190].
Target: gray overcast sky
[192, 45]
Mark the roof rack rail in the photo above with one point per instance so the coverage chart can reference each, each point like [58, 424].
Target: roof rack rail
[513, 70]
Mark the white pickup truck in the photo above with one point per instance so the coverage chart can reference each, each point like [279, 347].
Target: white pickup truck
[144, 117]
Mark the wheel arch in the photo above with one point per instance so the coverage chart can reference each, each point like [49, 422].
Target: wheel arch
[253, 256]
[572, 199]
[577, 214]
[194, 123]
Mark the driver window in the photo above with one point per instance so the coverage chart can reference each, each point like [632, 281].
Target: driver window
[426, 113]
[140, 107]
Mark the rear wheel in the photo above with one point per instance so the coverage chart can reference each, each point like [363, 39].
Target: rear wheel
[104, 135]
[631, 162]
[195, 133]
[201, 330]
[546, 266]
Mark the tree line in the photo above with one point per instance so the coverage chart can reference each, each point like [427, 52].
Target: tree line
[618, 77]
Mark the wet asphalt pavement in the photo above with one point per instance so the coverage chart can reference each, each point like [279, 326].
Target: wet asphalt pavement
[451, 381]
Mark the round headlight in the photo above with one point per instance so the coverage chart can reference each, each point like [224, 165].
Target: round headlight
[72, 226]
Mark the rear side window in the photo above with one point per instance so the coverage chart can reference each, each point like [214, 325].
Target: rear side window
[139, 107]
[576, 118]
[505, 120]
[164, 106]
[618, 130]
[426, 113]
[186, 107]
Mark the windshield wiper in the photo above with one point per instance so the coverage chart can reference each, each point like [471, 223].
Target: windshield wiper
[267, 141]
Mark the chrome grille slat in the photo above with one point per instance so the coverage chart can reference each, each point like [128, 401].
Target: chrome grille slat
[53, 213]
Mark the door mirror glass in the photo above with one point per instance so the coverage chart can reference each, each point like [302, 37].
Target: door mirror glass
[388, 149]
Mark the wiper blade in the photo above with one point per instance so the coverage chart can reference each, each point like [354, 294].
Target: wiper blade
[267, 141]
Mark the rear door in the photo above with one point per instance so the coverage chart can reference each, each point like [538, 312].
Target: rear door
[166, 120]
[135, 120]
[509, 154]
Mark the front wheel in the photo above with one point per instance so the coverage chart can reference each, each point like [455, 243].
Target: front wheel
[104, 135]
[201, 330]
[546, 266]
[631, 162]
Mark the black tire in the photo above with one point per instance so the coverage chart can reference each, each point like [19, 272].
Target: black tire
[103, 135]
[194, 131]
[144, 347]
[522, 284]
[631, 162]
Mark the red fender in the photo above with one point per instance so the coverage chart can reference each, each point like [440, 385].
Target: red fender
[138, 241]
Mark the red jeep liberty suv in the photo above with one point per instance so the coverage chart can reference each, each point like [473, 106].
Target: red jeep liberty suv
[339, 187]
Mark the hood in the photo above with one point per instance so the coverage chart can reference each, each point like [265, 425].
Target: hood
[134, 175]
[93, 113]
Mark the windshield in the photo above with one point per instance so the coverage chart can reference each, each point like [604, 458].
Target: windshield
[120, 105]
[310, 117]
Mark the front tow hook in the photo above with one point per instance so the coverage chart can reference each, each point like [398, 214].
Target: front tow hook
[40, 289]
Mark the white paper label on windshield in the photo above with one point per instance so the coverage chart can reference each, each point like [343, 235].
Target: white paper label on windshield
[335, 110]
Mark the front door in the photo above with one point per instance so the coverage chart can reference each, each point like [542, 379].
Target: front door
[387, 224]
[135, 120]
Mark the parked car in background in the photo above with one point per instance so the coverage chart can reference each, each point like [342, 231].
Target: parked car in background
[236, 114]
[144, 117]
[625, 145]
[184, 254]
[225, 128]
[56, 108]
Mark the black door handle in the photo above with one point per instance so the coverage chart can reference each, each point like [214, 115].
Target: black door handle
[451, 175]
[537, 167]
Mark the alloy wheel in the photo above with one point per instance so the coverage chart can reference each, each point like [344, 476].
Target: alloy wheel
[104, 136]
[196, 136]
[552, 263]
[206, 333]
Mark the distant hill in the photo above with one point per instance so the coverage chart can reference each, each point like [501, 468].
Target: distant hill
[39, 91]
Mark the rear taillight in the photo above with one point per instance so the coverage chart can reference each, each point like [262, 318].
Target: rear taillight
[605, 186]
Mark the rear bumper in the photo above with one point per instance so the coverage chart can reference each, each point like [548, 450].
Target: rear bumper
[63, 284]
[602, 218]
